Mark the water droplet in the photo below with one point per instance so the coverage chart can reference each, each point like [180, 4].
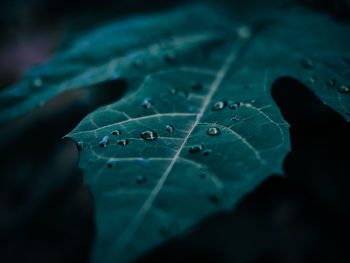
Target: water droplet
[207, 152]
[138, 64]
[170, 128]
[104, 142]
[308, 63]
[196, 148]
[235, 118]
[196, 86]
[234, 106]
[213, 131]
[38, 82]
[202, 176]
[343, 89]
[170, 56]
[149, 135]
[91, 160]
[331, 83]
[213, 198]
[112, 162]
[80, 145]
[116, 132]
[244, 32]
[147, 103]
[312, 80]
[179, 92]
[219, 105]
[123, 142]
[141, 179]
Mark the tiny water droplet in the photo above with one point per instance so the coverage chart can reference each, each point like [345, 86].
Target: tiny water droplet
[138, 64]
[219, 105]
[170, 128]
[104, 142]
[331, 83]
[80, 145]
[213, 131]
[123, 142]
[112, 162]
[38, 82]
[196, 86]
[308, 63]
[234, 106]
[207, 152]
[149, 135]
[343, 88]
[244, 32]
[196, 148]
[141, 179]
[179, 92]
[91, 160]
[147, 103]
[312, 80]
[116, 132]
[170, 56]
[202, 176]
[235, 118]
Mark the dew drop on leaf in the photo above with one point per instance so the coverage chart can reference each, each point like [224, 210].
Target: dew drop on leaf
[170, 128]
[116, 132]
[141, 179]
[149, 135]
[104, 142]
[343, 89]
[147, 103]
[196, 148]
[219, 105]
[235, 118]
[312, 80]
[38, 82]
[213, 131]
[207, 152]
[331, 83]
[123, 142]
[234, 106]
[91, 160]
[112, 162]
[308, 63]
[80, 145]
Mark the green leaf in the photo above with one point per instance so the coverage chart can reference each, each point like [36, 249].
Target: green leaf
[147, 191]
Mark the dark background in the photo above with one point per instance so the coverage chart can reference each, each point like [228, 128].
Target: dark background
[46, 213]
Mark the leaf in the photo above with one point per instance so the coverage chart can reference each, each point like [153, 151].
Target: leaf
[148, 191]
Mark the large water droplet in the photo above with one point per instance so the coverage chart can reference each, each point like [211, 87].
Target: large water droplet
[234, 106]
[141, 179]
[219, 105]
[196, 86]
[116, 132]
[213, 131]
[80, 145]
[104, 142]
[123, 142]
[308, 63]
[149, 135]
[343, 88]
[196, 148]
[147, 103]
[235, 118]
[170, 128]
[112, 162]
